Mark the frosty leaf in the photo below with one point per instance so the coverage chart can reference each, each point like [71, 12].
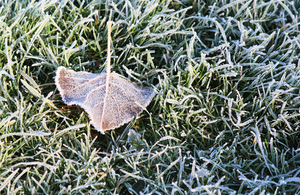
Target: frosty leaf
[110, 100]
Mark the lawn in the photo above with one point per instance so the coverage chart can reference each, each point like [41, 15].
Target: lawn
[224, 118]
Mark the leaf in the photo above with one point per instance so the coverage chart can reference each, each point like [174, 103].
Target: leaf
[110, 100]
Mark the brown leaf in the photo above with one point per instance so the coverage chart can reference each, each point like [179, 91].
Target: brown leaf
[110, 100]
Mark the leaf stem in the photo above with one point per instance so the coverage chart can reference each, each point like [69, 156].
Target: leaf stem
[108, 47]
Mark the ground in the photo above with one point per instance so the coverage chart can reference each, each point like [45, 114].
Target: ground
[224, 118]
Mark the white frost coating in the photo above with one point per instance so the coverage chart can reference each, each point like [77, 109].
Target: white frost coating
[107, 109]
[109, 100]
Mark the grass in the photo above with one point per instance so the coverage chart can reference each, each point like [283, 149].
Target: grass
[225, 118]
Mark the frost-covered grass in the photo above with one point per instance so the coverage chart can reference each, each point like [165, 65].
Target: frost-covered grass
[225, 118]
